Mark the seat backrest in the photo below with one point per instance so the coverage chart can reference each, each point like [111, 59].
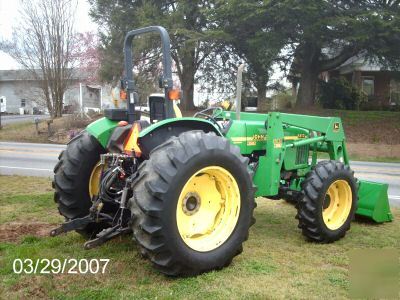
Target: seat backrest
[157, 109]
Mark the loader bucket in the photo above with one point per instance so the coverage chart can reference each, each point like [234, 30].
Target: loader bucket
[373, 201]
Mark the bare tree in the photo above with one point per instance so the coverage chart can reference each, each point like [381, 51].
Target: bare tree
[42, 43]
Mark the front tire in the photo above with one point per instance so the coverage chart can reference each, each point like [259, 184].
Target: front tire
[329, 202]
[192, 204]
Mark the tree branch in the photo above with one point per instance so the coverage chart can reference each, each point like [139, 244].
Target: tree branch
[335, 62]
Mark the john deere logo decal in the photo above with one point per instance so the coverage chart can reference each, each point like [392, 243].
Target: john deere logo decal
[277, 143]
[336, 126]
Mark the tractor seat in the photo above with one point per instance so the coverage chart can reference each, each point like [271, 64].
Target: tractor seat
[143, 123]
[119, 114]
[116, 114]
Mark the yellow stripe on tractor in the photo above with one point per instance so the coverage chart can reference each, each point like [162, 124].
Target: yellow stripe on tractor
[131, 144]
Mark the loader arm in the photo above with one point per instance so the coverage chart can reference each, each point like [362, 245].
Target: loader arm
[282, 152]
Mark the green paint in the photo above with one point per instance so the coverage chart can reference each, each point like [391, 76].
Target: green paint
[295, 184]
[245, 116]
[173, 121]
[291, 143]
[101, 129]
[267, 176]
[237, 134]
[331, 126]
[373, 201]
[283, 142]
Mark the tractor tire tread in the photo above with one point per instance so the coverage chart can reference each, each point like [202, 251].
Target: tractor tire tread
[71, 176]
[308, 214]
[150, 191]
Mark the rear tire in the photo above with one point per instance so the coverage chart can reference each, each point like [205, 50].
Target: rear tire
[155, 203]
[71, 179]
[291, 199]
[314, 220]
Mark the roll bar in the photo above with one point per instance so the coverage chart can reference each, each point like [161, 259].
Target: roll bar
[167, 70]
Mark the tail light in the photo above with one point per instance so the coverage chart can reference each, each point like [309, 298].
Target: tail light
[174, 94]
[122, 95]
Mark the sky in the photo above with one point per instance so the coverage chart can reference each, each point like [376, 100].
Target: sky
[9, 17]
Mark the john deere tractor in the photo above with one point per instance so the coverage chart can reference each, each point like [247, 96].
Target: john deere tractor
[184, 187]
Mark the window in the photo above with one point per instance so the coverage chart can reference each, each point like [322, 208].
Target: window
[23, 102]
[367, 85]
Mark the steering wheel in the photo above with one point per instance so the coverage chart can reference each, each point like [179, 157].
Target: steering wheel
[210, 114]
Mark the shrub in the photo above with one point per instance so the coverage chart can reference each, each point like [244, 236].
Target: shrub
[371, 106]
[339, 93]
[284, 100]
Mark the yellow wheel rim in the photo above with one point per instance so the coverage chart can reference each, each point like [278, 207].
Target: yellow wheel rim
[337, 204]
[94, 181]
[208, 208]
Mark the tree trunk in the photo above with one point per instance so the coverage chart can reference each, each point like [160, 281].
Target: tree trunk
[309, 67]
[58, 112]
[187, 82]
[261, 96]
[187, 89]
[306, 94]
[47, 96]
[59, 100]
[308, 85]
[294, 87]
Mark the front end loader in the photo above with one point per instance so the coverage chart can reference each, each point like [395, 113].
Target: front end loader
[185, 187]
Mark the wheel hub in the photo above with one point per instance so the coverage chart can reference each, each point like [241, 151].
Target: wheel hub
[337, 204]
[208, 208]
[191, 203]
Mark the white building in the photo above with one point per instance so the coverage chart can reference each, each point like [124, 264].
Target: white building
[20, 91]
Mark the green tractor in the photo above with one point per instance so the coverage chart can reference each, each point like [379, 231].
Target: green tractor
[185, 187]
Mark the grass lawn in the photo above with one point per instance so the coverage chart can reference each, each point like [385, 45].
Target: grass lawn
[360, 126]
[276, 262]
[375, 127]
[26, 131]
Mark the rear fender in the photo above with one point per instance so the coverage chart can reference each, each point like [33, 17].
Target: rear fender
[158, 133]
[102, 129]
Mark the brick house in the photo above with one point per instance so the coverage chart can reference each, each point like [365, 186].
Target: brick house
[382, 86]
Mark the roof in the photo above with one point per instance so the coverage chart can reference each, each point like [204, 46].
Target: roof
[359, 63]
[23, 74]
[11, 75]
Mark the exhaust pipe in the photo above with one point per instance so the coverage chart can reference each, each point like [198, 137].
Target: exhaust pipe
[239, 91]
